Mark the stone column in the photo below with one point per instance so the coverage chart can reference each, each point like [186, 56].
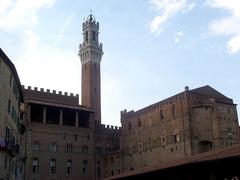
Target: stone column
[76, 119]
[61, 117]
[44, 115]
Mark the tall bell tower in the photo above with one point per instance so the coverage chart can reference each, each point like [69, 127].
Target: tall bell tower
[90, 53]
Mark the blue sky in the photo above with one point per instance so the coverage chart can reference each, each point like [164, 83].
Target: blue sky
[152, 48]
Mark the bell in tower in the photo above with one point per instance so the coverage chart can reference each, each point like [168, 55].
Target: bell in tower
[90, 53]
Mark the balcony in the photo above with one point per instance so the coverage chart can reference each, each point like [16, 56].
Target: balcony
[10, 146]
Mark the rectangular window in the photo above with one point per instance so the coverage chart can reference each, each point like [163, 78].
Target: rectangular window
[94, 35]
[69, 148]
[9, 106]
[86, 36]
[35, 146]
[7, 134]
[10, 81]
[12, 115]
[6, 162]
[53, 147]
[176, 138]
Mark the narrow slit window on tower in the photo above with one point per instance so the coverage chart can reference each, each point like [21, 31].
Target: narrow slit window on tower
[93, 35]
[86, 36]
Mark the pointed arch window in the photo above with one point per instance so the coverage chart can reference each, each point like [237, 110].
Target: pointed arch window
[161, 115]
[84, 167]
[139, 122]
[173, 110]
[35, 165]
[69, 167]
[53, 166]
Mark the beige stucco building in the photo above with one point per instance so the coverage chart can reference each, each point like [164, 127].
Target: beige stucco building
[11, 129]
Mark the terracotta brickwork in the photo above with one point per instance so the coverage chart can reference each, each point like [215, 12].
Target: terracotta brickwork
[188, 123]
[53, 97]
[66, 140]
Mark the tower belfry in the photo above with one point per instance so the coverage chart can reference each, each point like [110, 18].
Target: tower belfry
[90, 53]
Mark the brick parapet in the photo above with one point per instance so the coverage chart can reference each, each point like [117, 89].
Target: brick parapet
[54, 96]
[171, 100]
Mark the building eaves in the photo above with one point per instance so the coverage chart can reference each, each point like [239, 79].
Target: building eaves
[224, 153]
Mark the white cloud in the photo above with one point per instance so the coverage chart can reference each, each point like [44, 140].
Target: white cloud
[167, 9]
[232, 6]
[61, 32]
[21, 13]
[233, 45]
[228, 25]
[43, 72]
[29, 39]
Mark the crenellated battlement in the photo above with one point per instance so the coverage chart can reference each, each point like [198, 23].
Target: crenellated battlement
[105, 127]
[125, 113]
[36, 93]
[166, 102]
[110, 127]
[55, 92]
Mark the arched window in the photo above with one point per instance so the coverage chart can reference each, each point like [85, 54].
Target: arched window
[84, 167]
[161, 115]
[35, 165]
[139, 122]
[173, 111]
[86, 36]
[69, 167]
[93, 35]
[53, 166]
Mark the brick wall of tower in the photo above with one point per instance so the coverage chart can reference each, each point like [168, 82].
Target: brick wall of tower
[91, 88]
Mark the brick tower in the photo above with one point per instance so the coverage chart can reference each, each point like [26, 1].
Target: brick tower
[90, 53]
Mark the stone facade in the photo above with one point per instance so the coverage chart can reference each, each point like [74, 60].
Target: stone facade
[11, 144]
[65, 140]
